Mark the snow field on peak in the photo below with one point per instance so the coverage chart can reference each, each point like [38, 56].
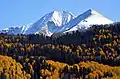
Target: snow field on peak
[56, 21]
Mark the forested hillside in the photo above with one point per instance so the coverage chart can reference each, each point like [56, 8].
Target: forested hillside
[90, 54]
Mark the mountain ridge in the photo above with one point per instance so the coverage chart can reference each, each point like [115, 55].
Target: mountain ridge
[56, 21]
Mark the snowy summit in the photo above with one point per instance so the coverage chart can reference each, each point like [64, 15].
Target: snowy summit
[57, 21]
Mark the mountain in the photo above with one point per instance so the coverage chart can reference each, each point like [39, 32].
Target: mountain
[50, 23]
[16, 29]
[60, 22]
[85, 20]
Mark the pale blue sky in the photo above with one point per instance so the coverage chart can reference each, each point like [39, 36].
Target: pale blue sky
[21, 12]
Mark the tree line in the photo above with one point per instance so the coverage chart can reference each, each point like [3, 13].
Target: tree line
[90, 54]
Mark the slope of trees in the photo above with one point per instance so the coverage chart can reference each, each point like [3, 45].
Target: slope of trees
[10, 69]
[90, 54]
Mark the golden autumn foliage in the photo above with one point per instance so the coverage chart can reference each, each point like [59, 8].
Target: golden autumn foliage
[12, 69]
[93, 54]
[93, 69]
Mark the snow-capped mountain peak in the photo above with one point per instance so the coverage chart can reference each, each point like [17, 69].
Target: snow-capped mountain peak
[88, 18]
[51, 21]
[95, 17]
[61, 21]
[61, 17]
[91, 11]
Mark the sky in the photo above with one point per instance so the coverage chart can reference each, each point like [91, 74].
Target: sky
[22, 12]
